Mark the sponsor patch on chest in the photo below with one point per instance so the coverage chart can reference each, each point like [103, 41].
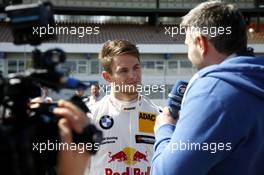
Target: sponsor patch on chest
[146, 122]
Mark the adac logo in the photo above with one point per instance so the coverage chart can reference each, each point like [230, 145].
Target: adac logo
[129, 156]
[106, 122]
[147, 116]
[146, 122]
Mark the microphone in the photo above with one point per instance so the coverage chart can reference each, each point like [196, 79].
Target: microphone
[175, 97]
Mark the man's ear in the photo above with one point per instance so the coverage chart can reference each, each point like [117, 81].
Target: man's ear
[202, 44]
[106, 76]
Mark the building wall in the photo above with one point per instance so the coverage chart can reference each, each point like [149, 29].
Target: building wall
[156, 70]
[159, 68]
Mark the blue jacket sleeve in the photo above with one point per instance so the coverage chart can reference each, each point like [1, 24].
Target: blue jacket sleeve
[198, 142]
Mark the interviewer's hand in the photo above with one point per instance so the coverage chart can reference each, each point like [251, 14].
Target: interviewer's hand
[71, 162]
[164, 118]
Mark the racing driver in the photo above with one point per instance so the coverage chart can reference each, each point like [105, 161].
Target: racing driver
[126, 117]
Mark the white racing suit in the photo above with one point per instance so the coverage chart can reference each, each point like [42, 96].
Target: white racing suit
[127, 145]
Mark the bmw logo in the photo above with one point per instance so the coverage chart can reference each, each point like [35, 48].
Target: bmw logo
[106, 122]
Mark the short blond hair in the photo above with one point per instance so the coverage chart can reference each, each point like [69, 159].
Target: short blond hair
[116, 48]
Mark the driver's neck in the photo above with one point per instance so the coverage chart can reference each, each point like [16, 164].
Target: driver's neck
[125, 97]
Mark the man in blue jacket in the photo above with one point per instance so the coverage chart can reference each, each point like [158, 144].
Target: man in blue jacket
[220, 129]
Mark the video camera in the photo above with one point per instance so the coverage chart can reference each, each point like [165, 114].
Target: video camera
[23, 126]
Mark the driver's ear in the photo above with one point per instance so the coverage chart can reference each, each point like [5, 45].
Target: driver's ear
[106, 76]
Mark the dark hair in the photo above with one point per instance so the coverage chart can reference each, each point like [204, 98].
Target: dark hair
[220, 15]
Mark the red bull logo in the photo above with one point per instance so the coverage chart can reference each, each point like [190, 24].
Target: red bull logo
[129, 156]
[128, 171]
[119, 156]
[138, 156]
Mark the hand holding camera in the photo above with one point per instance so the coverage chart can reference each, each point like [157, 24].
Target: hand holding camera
[30, 126]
